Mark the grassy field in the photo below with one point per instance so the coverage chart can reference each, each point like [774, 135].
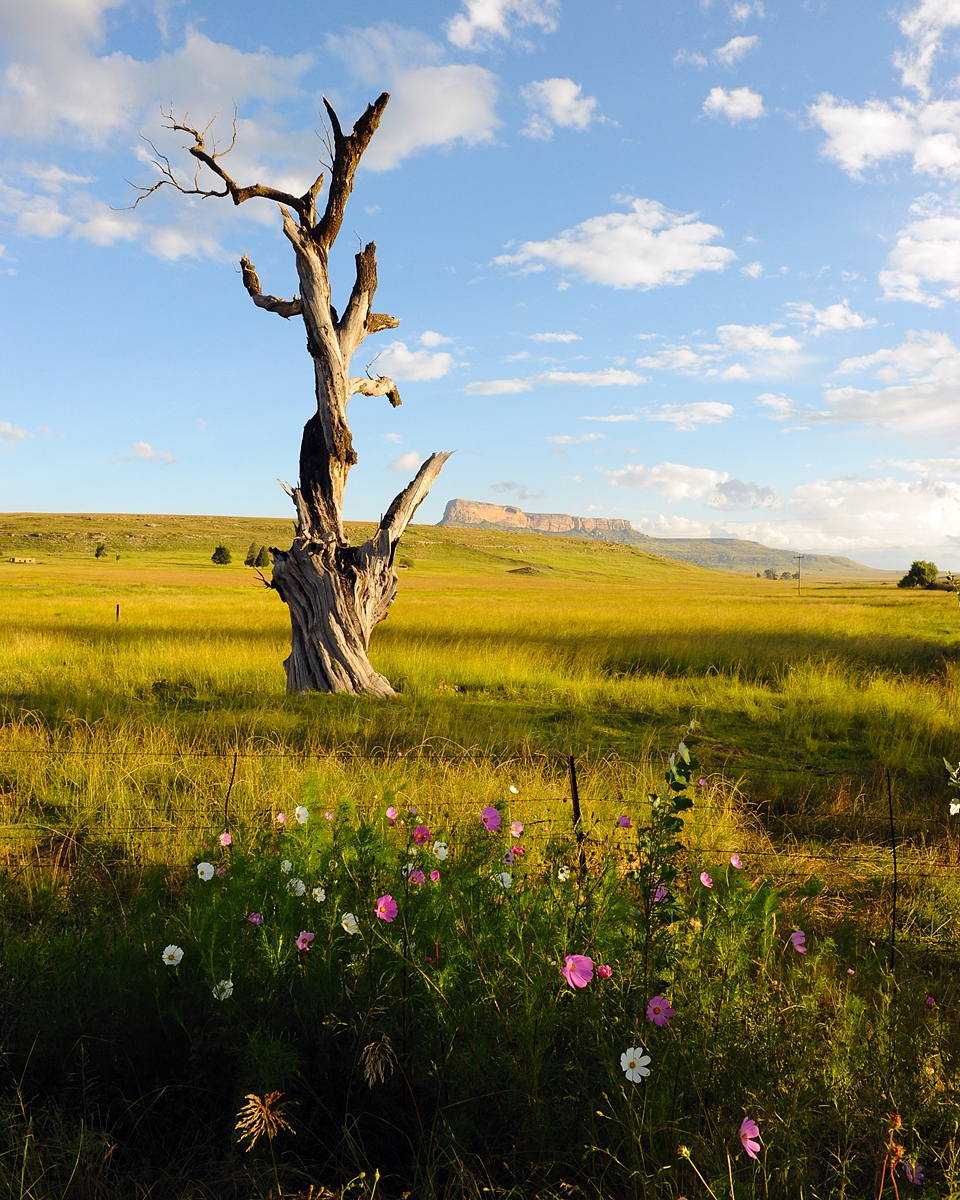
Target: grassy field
[510, 652]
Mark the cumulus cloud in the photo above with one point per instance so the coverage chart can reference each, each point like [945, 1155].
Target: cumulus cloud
[11, 434]
[607, 377]
[739, 104]
[673, 480]
[430, 338]
[567, 439]
[644, 248]
[692, 57]
[730, 54]
[737, 496]
[832, 319]
[556, 102]
[406, 462]
[556, 337]
[767, 354]
[753, 270]
[744, 9]
[483, 21]
[144, 452]
[686, 417]
[402, 364]
[927, 252]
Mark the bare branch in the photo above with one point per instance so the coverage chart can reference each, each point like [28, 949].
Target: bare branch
[251, 281]
[383, 385]
[347, 154]
[400, 513]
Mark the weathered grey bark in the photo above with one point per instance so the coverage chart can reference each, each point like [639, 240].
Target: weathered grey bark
[336, 593]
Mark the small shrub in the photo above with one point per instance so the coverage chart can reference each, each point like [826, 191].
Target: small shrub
[250, 560]
[921, 574]
[263, 558]
[221, 555]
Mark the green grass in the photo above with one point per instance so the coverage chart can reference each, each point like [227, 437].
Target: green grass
[510, 652]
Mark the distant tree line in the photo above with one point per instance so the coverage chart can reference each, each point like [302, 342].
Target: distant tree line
[770, 573]
[256, 556]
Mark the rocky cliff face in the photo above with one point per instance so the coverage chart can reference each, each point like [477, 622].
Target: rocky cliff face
[505, 516]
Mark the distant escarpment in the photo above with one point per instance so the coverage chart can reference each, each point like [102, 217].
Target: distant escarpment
[721, 554]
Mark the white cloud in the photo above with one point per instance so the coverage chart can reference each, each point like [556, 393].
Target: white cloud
[693, 58]
[485, 20]
[768, 354]
[393, 437]
[144, 452]
[614, 417]
[743, 10]
[607, 377]
[832, 319]
[927, 252]
[754, 270]
[406, 462]
[756, 339]
[673, 480]
[731, 53]
[566, 439]
[430, 338]
[11, 434]
[924, 27]
[402, 364]
[687, 417]
[646, 247]
[739, 104]
[555, 337]
[556, 102]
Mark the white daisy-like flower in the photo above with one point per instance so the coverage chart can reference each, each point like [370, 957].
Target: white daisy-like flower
[205, 871]
[286, 866]
[635, 1064]
[505, 879]
[349, 923]
[223, 990]
[297, 886]
[516, 791]
[563, 874]
[172, 956]
[440, 850]
[319, 895]
[406, 869]
[301, 814]
[954, 807]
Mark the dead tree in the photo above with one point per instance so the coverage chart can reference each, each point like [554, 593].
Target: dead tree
[336, 593]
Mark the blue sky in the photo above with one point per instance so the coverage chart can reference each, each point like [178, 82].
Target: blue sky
[696, 265]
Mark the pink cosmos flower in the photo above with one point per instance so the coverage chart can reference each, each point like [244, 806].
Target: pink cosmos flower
[220, 871]
[851, 971]
[434, 876]
[386, 908]
[798, 937]
[421, 835]
[706, 880]
[701, 783]
[490, 818]
[328, 815]
[412, 810]
[417, 877]
[516, 828]
[913, 1173]
[224, 839]
[304, 940]
[392, 815]
[604, 971]
[255, 918]
[577, 970]
[518, 850]
[749, 1132]
[660, 894]
[624, 821]
[736, 862]
[508, 858]
[659, 1011]
[930, 1000]
[281, 818]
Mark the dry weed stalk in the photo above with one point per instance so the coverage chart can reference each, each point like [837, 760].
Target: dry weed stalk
[259, 1117]
[379, 1060]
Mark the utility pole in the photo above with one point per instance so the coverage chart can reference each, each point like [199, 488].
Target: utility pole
[799, 558]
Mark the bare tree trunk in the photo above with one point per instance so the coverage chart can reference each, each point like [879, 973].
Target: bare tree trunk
[336, 593]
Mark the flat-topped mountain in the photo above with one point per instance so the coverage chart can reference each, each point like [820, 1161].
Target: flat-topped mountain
[721, 554]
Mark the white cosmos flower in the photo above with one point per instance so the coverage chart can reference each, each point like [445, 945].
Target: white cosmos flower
[223, 990]
[440, 850]
[349, 923]
[301, 814]
[635, 1064]
[954, 807]
[406, 869]
[516, 791]
[205, 871]
[505, 879]
[319, 895]
[563, 874]
[286, 866]
[297, 886]
[172, 956]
